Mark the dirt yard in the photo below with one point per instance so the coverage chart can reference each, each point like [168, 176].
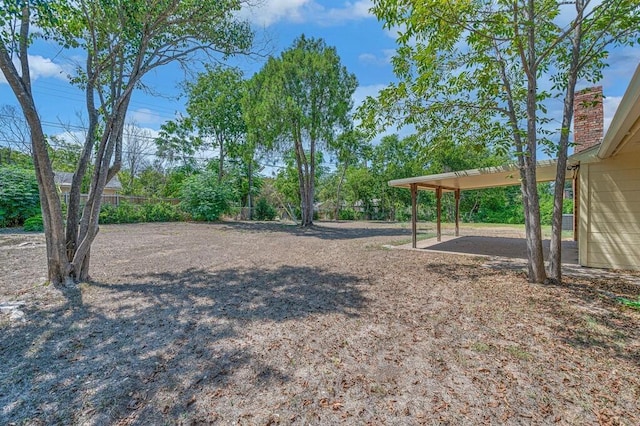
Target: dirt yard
[240, 323]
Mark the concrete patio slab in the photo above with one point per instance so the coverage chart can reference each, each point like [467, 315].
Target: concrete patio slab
[507, 247]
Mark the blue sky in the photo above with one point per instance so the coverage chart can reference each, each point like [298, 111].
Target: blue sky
[363, 45]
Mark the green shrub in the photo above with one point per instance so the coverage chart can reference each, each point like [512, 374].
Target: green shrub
[264, 210]
[567, 206]
[135, 213]
[122, 213]
[19, 198]
[204, 198]
[162, 212]
[403, 214]
[347, 214]
[34, 223]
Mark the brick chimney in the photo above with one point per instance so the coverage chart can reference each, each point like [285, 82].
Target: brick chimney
[588, 118]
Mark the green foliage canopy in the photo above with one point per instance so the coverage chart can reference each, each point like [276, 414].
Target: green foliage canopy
[18, 195]
[206, 198]
[303, 99]
[214, 105]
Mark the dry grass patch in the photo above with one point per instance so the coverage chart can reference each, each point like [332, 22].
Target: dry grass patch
[269, 324]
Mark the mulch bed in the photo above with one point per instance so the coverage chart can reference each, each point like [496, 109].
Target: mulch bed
[250, 323]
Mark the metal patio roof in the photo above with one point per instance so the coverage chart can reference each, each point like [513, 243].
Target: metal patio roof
[488, 177]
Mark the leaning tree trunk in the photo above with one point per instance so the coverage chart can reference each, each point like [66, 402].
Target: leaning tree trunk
[57, 262]
[73, 206]
[20, 83]
[555, 248]
[111, 142]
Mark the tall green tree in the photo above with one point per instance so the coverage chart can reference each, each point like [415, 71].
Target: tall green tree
[395, 158]
[305, 100]
[350, 148]
[177, 142]
[138, 144]
[122, 42]
[214, 105]
[255, 143]
[478, 67]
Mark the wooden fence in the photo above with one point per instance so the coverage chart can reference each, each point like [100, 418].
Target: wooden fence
[116, 199]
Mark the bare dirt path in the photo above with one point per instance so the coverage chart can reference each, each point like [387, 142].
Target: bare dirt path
[269, 324]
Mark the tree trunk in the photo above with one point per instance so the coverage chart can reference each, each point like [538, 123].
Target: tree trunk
[537, 273]
[305, 178]
[221, 159]
[57, 263]
[338, 203]
[110, 142]
[311, 179]
[249, 195]
[20, 83]
[73, 206]
[532, 227]
[555, 250]
[300, 161]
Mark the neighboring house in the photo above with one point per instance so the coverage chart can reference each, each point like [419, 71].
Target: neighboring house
[608, 183]
[63, 181]
[605, 173]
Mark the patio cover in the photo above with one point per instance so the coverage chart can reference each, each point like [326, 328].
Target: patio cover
[489, 177]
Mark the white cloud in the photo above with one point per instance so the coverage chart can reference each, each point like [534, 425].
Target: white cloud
[372, 59]
[41, 67]
[568, 12]
[395, 31]
[269, 12]
[610, 105]
[148, 132]
[368, 58]
[45, 67]
[145, 116]
[351, 11]
[75, 137]
[362, 92]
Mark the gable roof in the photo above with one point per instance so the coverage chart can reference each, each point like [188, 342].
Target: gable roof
[65, 178]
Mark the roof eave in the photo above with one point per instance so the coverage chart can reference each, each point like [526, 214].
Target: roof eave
[623, 120]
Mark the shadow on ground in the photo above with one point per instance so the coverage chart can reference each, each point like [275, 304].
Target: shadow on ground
[322, 230]
[105, 353]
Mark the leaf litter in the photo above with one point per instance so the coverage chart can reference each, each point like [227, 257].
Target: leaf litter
[264, 323]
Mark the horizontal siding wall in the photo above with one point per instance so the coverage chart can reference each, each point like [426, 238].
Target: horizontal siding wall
[612, 207]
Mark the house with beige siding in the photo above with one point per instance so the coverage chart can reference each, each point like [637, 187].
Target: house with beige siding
[608, 183]
[63, 182]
